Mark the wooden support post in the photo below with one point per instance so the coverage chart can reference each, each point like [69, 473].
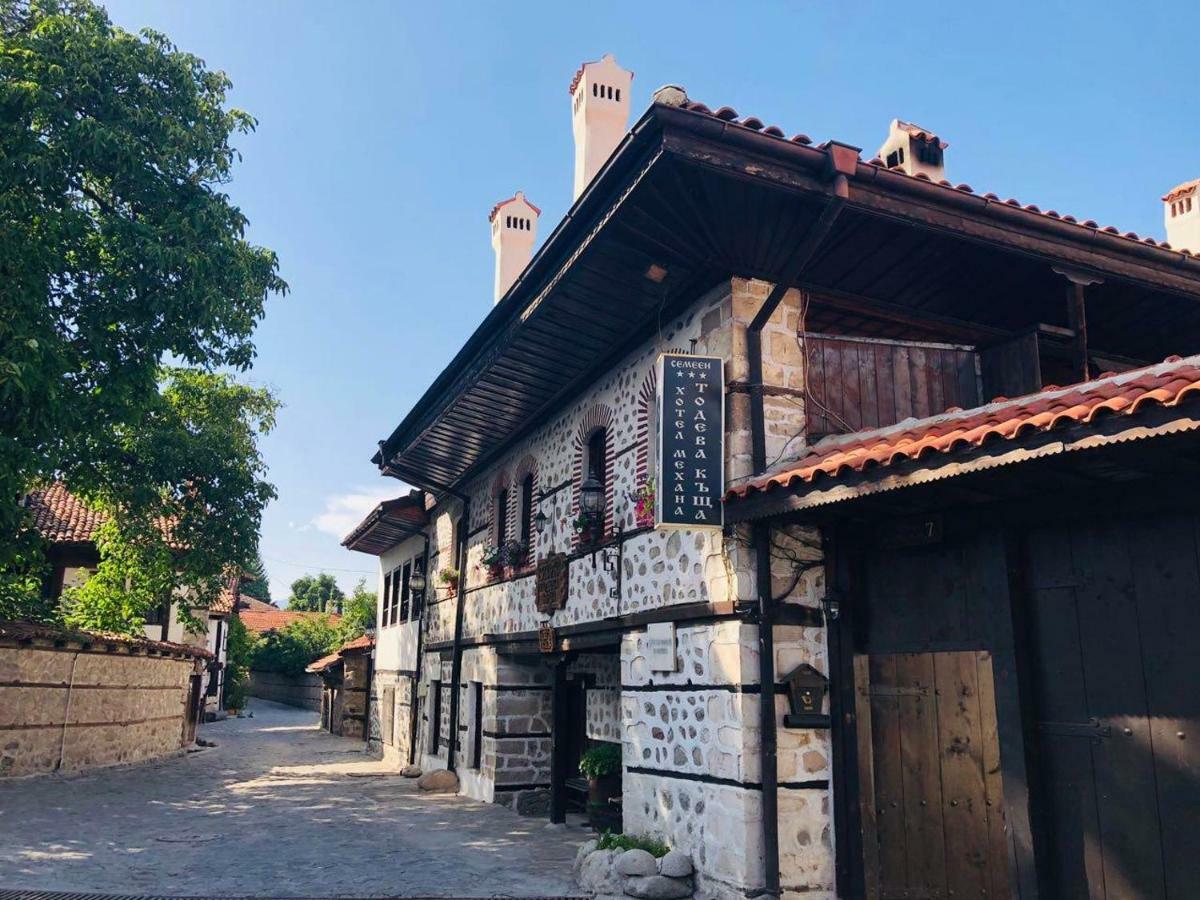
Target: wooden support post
[558, 742]
[1077, 315]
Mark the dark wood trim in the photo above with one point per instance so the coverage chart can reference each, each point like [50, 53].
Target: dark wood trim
[558, 743]
[501, 736]
[684, 613]
[531, 786]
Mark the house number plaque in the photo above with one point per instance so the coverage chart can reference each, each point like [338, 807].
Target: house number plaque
[551, 583]
[691, 431]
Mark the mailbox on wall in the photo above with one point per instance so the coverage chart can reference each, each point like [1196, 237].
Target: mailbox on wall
[807, 689]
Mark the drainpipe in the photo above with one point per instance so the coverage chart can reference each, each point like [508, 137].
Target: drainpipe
[841, 163]
[412, 700]
[456, 653]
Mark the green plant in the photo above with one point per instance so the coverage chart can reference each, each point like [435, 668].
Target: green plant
[653, 846]
[237, 688]
[601, 760]
[291, 648]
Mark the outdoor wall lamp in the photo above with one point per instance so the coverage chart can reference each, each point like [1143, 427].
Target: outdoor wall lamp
[591, 496]
[831, 606]
[416, 582]
[540, 521]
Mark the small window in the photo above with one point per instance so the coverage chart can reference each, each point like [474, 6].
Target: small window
[435, 716]
[618, 95]
[595, 92]
[596, 448]
[395, 597]
[456, 545]
[477, 724]
[526, 536]
[385, 604]
[404, 579]
[502, 518]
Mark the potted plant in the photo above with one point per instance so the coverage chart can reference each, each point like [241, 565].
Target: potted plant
[643, 504]
[513, 555]
[589, 527]
[602, 766]
[493, 561]
[449, 577]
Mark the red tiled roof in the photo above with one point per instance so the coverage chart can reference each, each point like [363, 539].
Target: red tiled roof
[579, 72]
[25, 632]
[1183, 190]
[922, 134]
[61, 517]
[512, 199]
[730, 116]
[245, 601]
[227, 600]
[364, 642]
[1126, 394]
[260, 621]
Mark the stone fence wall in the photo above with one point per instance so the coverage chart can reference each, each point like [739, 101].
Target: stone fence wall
[70, 702]
[293, 690]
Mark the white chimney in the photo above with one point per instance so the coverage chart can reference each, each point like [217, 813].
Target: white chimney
[1181, 212]
[514, 232]
[917, 149]
[599, 115]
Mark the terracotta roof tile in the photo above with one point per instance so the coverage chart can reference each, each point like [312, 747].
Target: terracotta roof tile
[1167, 384]
[25, 632]
[365, 642]
[61, 517]
[730, 115]
[261, 621]
[512, 199]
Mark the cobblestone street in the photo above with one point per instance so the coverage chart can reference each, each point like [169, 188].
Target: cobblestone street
[278, 808]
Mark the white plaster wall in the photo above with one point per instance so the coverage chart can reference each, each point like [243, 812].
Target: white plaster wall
[396, 645]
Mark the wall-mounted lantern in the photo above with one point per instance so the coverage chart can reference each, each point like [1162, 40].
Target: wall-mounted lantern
[806, 698]
[831, 606]
[540, 521]
[591, 496]
[416, 581]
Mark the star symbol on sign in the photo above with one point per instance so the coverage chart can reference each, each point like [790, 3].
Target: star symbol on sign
[691, 375]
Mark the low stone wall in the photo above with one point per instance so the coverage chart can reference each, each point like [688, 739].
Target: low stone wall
[292, 690]
[70, 702]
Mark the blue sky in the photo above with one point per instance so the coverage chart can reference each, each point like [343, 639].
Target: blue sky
[388, 130]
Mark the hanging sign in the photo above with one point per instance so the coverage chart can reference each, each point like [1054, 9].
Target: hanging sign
[691, 446]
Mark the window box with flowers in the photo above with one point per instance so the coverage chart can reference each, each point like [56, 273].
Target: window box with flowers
[493, 562]
[513, 556]
[643, 504]
[449, 577]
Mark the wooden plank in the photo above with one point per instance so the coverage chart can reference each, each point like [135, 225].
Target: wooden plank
[851, 408]
[868, 397]
[885, 392]
[920, 771]
[993, 786]
[816, 419]
[1167, 580]
[935, 362]
[919, 375]
[1116, 692]
[902, 379]
[866, 776]
[889, 779]
[1066, 767]
[963, 808]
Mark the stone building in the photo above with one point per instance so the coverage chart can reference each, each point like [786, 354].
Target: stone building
[537, 599]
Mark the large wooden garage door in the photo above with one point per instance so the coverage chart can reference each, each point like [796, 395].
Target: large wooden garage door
[1116, 620]
[932, 798]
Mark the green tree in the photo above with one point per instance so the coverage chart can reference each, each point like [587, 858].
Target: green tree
[119, 248]
[194, 467]
[358, 612]
[256, 584]
[291, 648]
[316, 593]
[239, 659]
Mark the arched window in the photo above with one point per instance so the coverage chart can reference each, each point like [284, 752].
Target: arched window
[502, 517]
[527, 511]
[596, 449]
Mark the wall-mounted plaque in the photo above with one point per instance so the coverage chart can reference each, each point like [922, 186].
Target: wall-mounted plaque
[691, 440]
[660, 647]
[551, 583]
[547, 643]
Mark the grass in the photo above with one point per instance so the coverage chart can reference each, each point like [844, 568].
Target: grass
[653, 846]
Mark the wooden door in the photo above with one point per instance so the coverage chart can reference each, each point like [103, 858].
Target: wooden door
[195, 706]
[1116, 619]
[932, 797]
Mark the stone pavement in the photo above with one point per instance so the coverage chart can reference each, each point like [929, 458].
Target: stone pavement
[278, 808]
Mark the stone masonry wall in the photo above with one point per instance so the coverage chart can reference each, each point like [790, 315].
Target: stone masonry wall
[303, 691]
[72, 710]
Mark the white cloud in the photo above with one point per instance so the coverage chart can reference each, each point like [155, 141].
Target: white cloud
[343, 511]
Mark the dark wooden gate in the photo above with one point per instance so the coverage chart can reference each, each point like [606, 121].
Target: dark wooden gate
[1116, 626]
[195, 706]
[932, 797]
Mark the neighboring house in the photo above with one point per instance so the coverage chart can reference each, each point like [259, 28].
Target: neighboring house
[69, 526]
[263, 618]
[997, 595]
[346, 678]
[303, 690]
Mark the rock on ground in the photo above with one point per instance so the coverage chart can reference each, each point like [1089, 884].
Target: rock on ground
[636, 862]
[598, 875]
[438, 781]
[658, 887]
[411, 771]
[676, 864]
[586, 848]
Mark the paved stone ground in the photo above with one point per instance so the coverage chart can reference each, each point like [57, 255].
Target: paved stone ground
[278, 808]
